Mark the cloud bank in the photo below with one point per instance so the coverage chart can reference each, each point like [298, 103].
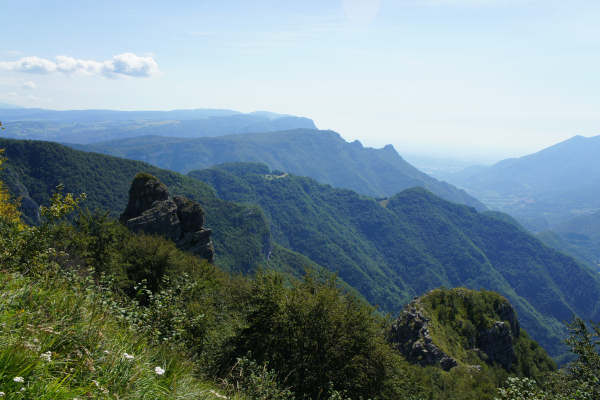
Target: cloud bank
[126, 64]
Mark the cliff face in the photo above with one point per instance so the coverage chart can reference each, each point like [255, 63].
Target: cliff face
[450, 327]
[152, 210]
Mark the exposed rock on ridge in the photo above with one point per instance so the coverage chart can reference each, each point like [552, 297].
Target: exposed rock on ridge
[152, 210]
[492, 337]
[410, 335]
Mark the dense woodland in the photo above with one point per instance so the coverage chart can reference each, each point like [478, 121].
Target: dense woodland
[394, 249]
[388, 250]
[90, 309]
[103, 306]
[321, 155]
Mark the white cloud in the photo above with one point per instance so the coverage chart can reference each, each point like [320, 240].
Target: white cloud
[34, 65]
[29, 85]
[126, 64]
[131, 65]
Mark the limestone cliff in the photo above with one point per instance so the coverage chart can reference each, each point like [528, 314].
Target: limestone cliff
[151, 209]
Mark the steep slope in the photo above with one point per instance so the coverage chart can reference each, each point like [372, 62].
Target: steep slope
[33, 170]
[541, 189]
[89, 126]
[321, 155]
[406, 245]
[476, 329]
[578, 237]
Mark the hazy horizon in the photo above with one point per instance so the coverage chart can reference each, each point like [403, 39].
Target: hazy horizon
[469, 79]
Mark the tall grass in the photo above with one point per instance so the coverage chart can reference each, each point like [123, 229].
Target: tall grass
[60, 339]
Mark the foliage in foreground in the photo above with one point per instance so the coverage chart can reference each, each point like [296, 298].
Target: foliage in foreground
[61, 335]
[91, 310]
[580, 380]
[104, 288]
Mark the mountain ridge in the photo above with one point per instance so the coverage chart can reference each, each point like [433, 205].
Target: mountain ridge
[89, 126]
[394, 249]
[322, 155]
[542, 189]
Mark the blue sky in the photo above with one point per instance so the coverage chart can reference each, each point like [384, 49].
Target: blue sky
[482, 79]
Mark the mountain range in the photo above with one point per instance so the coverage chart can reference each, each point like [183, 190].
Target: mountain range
[183, 140]
[322, 155]
[90, 126]
[389, 250]
[544, 189]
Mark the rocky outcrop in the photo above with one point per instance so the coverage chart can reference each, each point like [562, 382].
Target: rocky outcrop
[497, 342]
[152, 210]
[410, 335]
[493, 340]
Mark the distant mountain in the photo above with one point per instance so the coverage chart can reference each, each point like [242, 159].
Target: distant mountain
[542, 189]
[89, 126]
[322, 155]
[392, 250]
[8, 106]
[578, 237]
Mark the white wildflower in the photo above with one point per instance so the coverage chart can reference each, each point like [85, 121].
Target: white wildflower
[19, 379]
[2, 394]
[220, 396]
[159, 370]
[128, 356]
[46, 356]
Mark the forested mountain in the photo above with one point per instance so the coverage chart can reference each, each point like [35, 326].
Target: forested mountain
[393, 249]
[89, 126]
[389, 250]
[579, 237]
[543, 189]
[93, 309]
[241, 233]
[322, 155]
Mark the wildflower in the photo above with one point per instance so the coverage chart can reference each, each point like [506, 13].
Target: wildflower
[159, 370]
[128, 356]
[2, 394]
[106, 352]
[19, 379]
[220, 396]
[46, 356]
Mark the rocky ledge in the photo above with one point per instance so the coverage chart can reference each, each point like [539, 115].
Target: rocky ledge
[410, 335]
[151, 209]
[495, 330]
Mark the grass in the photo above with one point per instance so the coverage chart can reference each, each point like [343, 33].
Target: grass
[60, 339]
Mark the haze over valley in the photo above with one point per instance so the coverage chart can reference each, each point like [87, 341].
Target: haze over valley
[339, 200]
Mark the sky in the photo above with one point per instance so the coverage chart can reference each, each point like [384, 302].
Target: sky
[472, 79]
